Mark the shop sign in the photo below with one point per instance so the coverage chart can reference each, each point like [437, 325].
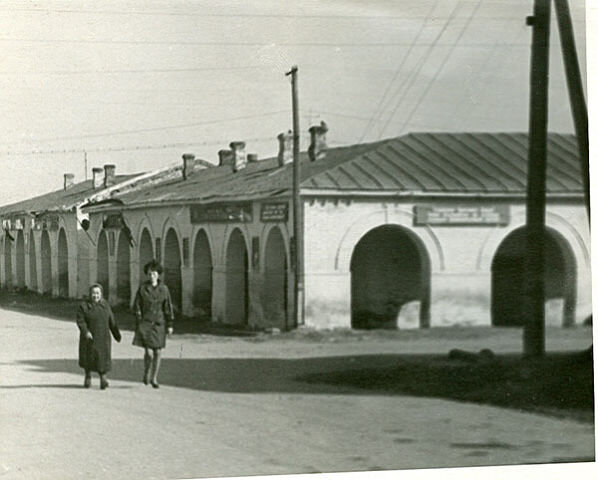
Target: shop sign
[274, 212]
[461, 215]
[221, 213]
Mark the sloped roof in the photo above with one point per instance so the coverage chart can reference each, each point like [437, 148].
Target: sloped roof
[59, 199]
[443, 163]
[454, 162]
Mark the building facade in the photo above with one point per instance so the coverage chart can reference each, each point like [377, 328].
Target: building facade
[418, 231]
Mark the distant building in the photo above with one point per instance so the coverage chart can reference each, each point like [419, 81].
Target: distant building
[415, 231]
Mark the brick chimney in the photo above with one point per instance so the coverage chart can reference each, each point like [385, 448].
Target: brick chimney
[285, 148]
[188, 161]
[97, 177]
[239, 157]
[109, 173]
[225, 157]
[69, 180]
[317, 147]
[252, 158]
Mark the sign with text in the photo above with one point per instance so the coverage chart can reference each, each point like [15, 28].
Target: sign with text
[112, 221]
[274, 212]
[222, 213]
[47, 222]
[459, 215]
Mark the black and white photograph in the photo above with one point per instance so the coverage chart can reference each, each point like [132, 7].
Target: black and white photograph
[338, 237]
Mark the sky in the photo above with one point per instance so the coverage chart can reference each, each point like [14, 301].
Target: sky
[137, 83]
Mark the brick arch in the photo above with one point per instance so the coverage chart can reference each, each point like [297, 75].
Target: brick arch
[227, 234]
[379, 218]
[554, 221]
[265, 234]
[171, 223]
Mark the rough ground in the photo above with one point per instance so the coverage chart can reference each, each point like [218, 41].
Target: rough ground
[240, 406]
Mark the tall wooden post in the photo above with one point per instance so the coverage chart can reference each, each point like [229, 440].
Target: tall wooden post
[575, 88]
[297, 206]
[534, 292]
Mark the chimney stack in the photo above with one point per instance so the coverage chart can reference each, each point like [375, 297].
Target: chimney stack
[251, 157]
[97, 177]
[69, 180]
[239, 158]
[225, 157]
[109, 173]
[188, 161]
[317, 147]
[285, 148]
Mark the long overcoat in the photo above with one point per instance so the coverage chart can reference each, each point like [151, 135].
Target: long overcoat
[96, 355]
[154, 314]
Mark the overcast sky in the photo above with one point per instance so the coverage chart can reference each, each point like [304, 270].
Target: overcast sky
[122, 79]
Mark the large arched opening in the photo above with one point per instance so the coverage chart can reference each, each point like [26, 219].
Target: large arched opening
[32, 263]
[146, 253]
[123, 269]
[172, 268]
[7, 261]
[20, 259]
[46, 258]
[275, 299]
[63, 264]
[390, 268]
[202, 275]
[508, 270]
[236, 279]
[103, 269]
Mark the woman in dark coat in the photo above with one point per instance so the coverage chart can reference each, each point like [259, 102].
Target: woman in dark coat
[155, 317]
[96, 321]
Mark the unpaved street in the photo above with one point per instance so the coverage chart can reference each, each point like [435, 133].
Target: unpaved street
[232, 406]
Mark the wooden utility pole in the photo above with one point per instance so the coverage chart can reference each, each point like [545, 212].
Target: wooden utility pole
[297, 247]
[575, 88]
[534, 292]
[85, 163]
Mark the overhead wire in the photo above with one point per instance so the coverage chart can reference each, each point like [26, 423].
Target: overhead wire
[408, 82]
[439, 69]
[397, 72]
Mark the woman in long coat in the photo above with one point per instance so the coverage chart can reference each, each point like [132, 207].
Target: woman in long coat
[96, 321]
[155, 317]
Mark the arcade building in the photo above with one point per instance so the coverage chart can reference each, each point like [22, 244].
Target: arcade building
[417, 231]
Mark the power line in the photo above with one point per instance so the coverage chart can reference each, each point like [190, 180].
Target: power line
[397, 71]
[228, 15]
[153, 70]
[243, 44]
[410, 80]
[440, 68]
[157, 129]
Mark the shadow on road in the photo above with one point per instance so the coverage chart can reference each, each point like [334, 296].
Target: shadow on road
[561, 384]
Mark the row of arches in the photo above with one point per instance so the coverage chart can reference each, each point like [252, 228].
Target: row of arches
[46, 263]
[390, 270]
[236, 273]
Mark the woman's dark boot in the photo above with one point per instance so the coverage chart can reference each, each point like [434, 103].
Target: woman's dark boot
[87, 380]
[103, 382]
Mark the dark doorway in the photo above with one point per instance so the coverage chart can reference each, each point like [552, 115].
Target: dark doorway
[7, 261]
[123, 270]
[275, 282]
[202, 275]
[20, 259]
[63, 265]
[389, 268]
[32, 263]
[146, 253]
[508, 270]
[172, 269]
[103, 275]
[236, 279]
[46, 257]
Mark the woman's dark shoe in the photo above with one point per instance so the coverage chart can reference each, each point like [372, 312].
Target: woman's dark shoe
[155, 384]
[87, 382]
[104, 384]
[146, 379]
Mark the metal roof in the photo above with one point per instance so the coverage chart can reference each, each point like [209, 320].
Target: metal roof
[59, 199]
[424, 163]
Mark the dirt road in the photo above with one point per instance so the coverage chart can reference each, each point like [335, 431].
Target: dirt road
[234, 406]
